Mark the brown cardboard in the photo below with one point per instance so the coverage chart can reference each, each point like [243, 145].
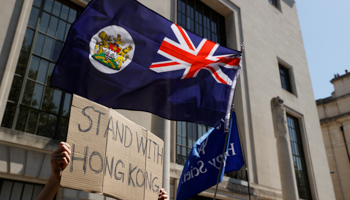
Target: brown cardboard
[86, 145]
[154, 166]
[131, 167]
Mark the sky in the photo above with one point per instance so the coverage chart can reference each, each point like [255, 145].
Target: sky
[325, 27]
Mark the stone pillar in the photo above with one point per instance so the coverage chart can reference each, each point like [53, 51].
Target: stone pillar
[162, 128]
[285, 159]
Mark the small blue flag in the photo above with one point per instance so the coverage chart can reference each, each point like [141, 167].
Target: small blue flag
[202, 166]
[122, 55]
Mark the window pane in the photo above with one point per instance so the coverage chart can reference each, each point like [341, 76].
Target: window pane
[53, 26]
[194, 130]
[28, 92]
[179, 18]
[64, 12]
[42, 125]
[27, 41]
[47, 99]
[298, 158]
[56, 100]
[22, 118]
[52, 66]
[27, 192]
[16, 195]
[44, 65]
[15, 88]
[37, 3]
[72, 15]
[48, 5]
[34, 66]
[178, 128]
[51, 125]
[22, 63]
[61, 30]
[44, 22]
[184, 125]
[38, 92]
[32, 121]
[184, 141]
[48, 47]
[183, 151]
[39, 44]
[63, 130]
[56, 50]
[33, 18]
[67, 30]
[56, 8]
[179, 140]
[66, 105]
[9, 115]
[190, 143]
[37, 190]
[190, 130]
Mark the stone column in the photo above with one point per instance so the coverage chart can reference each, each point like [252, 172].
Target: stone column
[285, 159]
[162, 128]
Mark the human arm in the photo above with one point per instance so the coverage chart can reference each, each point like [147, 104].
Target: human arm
[162, 194]
[59, 160]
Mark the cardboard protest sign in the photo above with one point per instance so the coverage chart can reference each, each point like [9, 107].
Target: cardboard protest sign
[111, 154]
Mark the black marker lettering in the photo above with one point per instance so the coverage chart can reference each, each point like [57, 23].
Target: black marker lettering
[96, 153]
[76, 158]
[110, 170]
[110, 121]
[130, 133]
[130, 177]
[90, 120]
[120, 173]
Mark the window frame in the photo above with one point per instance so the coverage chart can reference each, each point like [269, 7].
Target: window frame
[206, 11]
[301, 150]
[53, 112]
[288, 76]
[2, 180]
[275, 3]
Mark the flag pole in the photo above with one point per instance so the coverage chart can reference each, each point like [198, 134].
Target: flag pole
[227, 122]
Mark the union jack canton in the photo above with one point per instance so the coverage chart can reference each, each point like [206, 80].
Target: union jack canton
[185, 55]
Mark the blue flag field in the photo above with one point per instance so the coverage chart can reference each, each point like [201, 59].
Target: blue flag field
[122, 55]
[202, 166]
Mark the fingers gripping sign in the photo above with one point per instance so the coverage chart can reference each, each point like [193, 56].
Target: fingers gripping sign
[60, 159]
[162, 194]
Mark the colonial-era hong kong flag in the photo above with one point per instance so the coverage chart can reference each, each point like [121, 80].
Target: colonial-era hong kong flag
[121, 54]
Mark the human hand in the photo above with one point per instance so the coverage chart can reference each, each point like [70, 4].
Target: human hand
[60, 160]
[162, 194]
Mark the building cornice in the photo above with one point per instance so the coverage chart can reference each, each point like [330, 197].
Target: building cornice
[330, 99]
[331, 119]
[28, 141]
[340, 77]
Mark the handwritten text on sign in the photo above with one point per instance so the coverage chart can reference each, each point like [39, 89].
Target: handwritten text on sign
[111, 154]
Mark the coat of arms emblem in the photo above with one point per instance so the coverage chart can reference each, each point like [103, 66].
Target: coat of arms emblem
[111, 47]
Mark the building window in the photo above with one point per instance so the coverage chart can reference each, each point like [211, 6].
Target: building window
[198, 18]
[19, 190]
[187, 134]
[298, 158]
[285, 78]
[33, 106]
[274, 2]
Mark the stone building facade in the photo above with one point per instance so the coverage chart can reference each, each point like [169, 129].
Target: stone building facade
[334, 113]
[274, 102]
